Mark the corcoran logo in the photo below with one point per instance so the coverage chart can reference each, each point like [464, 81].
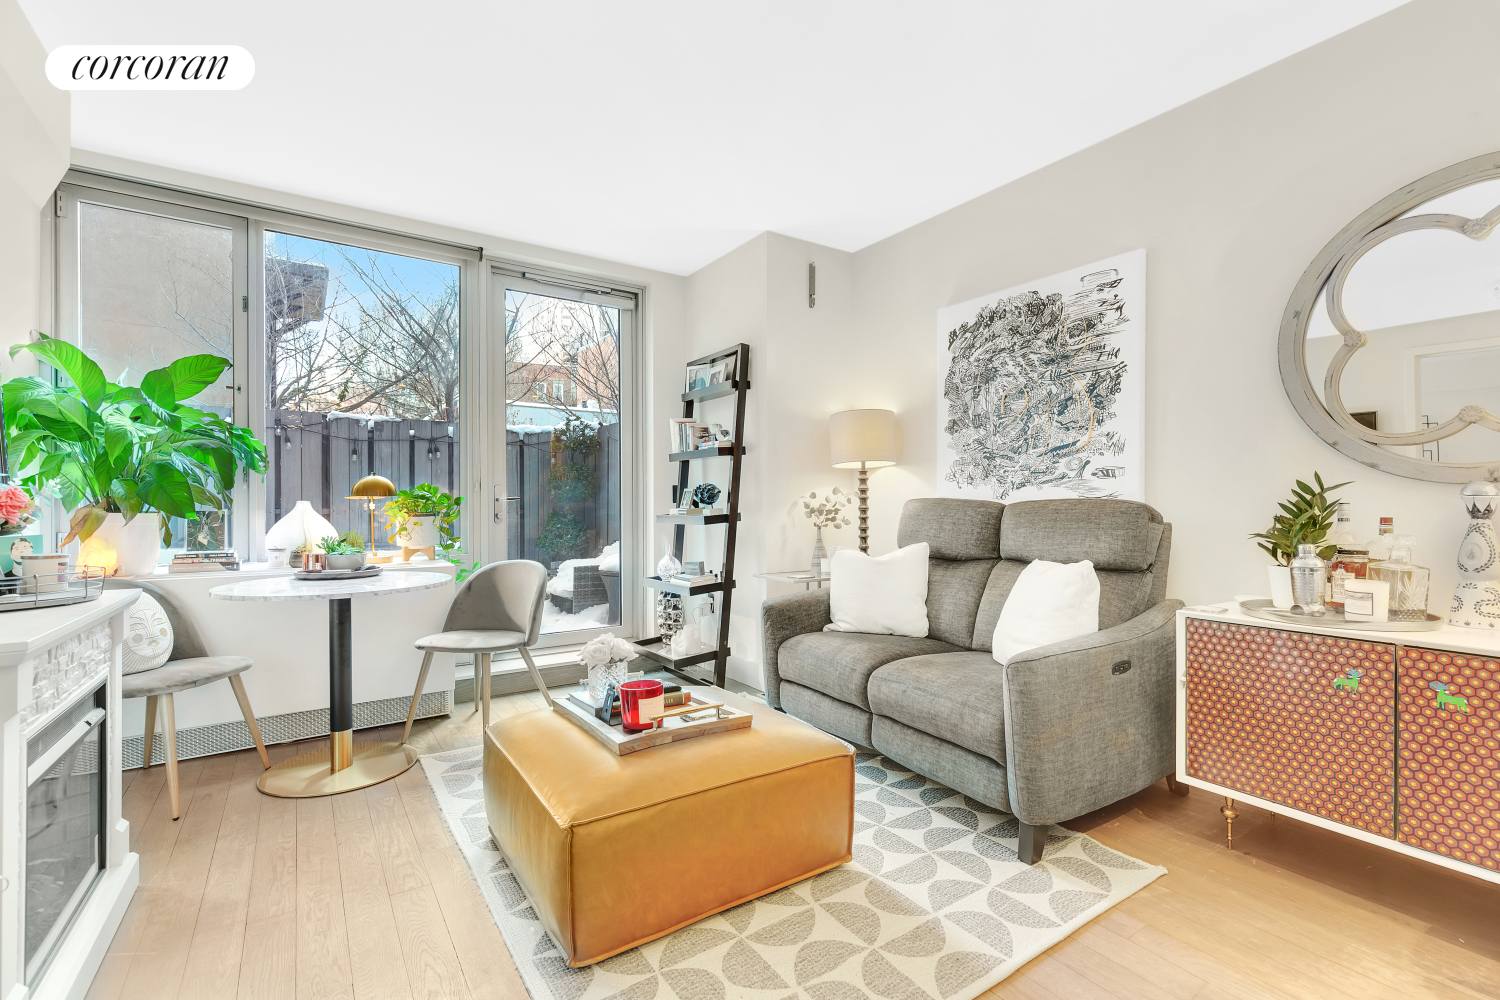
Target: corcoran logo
[150, 67]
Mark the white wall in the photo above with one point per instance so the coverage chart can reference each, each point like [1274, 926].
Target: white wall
[33, 158]
[1232, 195]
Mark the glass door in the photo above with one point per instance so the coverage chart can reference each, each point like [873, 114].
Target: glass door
[567, 423]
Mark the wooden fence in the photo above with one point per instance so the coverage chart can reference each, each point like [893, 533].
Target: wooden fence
[319, 458]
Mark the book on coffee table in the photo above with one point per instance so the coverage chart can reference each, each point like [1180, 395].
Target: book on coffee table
[712, 716]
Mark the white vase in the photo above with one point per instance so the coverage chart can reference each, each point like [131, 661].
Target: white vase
[124, 549]
[302, 526]
[1281, 586]
[421, 532]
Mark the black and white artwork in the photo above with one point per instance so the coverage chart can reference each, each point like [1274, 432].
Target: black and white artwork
[1041, 389]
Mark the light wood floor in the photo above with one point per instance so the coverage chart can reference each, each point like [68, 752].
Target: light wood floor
[365, 896]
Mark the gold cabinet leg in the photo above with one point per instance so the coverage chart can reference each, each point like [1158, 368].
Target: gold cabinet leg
[1176, 787]
[244, 700]
[169, 730]
[411, 713]
[1229, 813]
[150, 730]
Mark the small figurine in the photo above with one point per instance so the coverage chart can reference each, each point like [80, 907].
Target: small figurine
[705, 495]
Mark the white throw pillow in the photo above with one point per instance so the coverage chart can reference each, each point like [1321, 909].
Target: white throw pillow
[1049, 603]
[885, 595]
[148, 636]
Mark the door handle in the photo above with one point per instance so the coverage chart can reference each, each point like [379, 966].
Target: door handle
[500, 502]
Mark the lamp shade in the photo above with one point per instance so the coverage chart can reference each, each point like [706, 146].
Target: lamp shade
[301, 526]
[371, 486]
[862, 439]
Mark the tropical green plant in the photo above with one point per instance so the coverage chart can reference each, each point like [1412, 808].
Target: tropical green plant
[1304, 520]
[425, 500]
[339, 546]
[109, 449]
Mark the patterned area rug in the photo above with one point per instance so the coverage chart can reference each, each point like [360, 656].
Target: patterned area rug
[935, 904]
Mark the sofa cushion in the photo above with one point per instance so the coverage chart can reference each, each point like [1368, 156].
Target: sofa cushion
[1122, 596]
[839, 664]
[954, 528]
[959, 697]
[1113, 534]
[954, 590]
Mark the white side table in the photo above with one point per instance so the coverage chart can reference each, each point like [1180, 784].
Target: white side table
[343, 765]
[804, 577]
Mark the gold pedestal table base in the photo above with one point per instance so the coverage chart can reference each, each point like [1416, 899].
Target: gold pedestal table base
[308, 775]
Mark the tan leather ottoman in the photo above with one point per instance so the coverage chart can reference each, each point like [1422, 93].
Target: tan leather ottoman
[616, 851]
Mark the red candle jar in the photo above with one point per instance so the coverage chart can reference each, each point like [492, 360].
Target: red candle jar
[639, 701]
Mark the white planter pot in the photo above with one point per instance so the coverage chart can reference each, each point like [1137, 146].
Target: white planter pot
[420, 533]
[1281, 586]
[346, 563]
[124, 549]
[301, 526]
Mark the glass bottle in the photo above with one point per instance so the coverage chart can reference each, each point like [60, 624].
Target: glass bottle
[1309, 576]
[1407, 580]
[1348, 564]
[669, 565]
[1342, 533]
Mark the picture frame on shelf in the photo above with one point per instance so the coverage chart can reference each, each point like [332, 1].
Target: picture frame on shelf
[720, 372]
[697, 377]
[702, 437]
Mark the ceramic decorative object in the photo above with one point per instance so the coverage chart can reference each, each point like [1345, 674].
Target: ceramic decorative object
[668, 614]
[606, 657]
[669, 566]
[122, 549]
[301, 526]
[1476, 599]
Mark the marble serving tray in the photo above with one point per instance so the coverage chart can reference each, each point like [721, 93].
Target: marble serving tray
[1261, 607]
[340, 574]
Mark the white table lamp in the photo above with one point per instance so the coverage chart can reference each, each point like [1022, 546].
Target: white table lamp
[863, 440]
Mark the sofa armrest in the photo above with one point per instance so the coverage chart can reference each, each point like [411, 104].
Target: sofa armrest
[780, 619]
[1089, 720]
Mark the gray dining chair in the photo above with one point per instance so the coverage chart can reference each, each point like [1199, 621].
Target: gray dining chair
[188, 667]
[496, 610]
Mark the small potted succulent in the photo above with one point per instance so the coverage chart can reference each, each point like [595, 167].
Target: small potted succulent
[342, 556]
[423, 516]
[605, 658]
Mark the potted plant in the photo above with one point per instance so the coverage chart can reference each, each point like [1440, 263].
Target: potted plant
[423, 516]
[343, 555]
[1304, 520]
[113, 453]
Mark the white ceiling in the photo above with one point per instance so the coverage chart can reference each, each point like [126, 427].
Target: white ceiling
[664, 133]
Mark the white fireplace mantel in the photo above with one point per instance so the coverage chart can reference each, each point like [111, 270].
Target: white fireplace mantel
[47, 657]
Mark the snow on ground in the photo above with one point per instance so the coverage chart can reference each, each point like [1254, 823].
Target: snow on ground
[555, 620]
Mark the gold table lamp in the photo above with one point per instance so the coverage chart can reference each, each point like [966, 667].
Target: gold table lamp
[370, 489]
[863, 440]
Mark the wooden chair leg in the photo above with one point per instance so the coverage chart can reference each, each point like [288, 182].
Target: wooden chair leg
[244, 700]
[536, 675]
[169, 730]
[411, 713]
[482, 664]
[150, 730]
[1176, 787]
[477, 657]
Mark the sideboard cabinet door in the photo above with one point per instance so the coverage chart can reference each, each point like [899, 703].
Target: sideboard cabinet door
[1449, 760]
[1307, 721]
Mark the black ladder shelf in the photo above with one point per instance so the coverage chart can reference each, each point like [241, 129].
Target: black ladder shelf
[655, 648]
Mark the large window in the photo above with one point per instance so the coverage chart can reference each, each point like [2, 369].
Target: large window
[354, 353]
[362, 375]
[564, 398]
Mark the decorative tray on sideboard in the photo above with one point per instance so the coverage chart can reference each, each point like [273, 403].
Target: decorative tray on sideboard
[1261, 607]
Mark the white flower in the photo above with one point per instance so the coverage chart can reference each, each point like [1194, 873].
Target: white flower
[605, 649]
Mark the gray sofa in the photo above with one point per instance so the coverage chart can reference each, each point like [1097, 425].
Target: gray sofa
[1063, 729]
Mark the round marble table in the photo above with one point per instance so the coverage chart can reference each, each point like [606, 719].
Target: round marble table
[344, 765]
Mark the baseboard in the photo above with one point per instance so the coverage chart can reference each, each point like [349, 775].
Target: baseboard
[223, 737]
[512, 681]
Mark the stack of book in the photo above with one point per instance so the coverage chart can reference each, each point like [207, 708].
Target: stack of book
[695, 581]
[674, 697]
[205, 562]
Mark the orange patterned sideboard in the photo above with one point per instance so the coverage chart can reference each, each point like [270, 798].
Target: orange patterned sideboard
[1391, 737]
